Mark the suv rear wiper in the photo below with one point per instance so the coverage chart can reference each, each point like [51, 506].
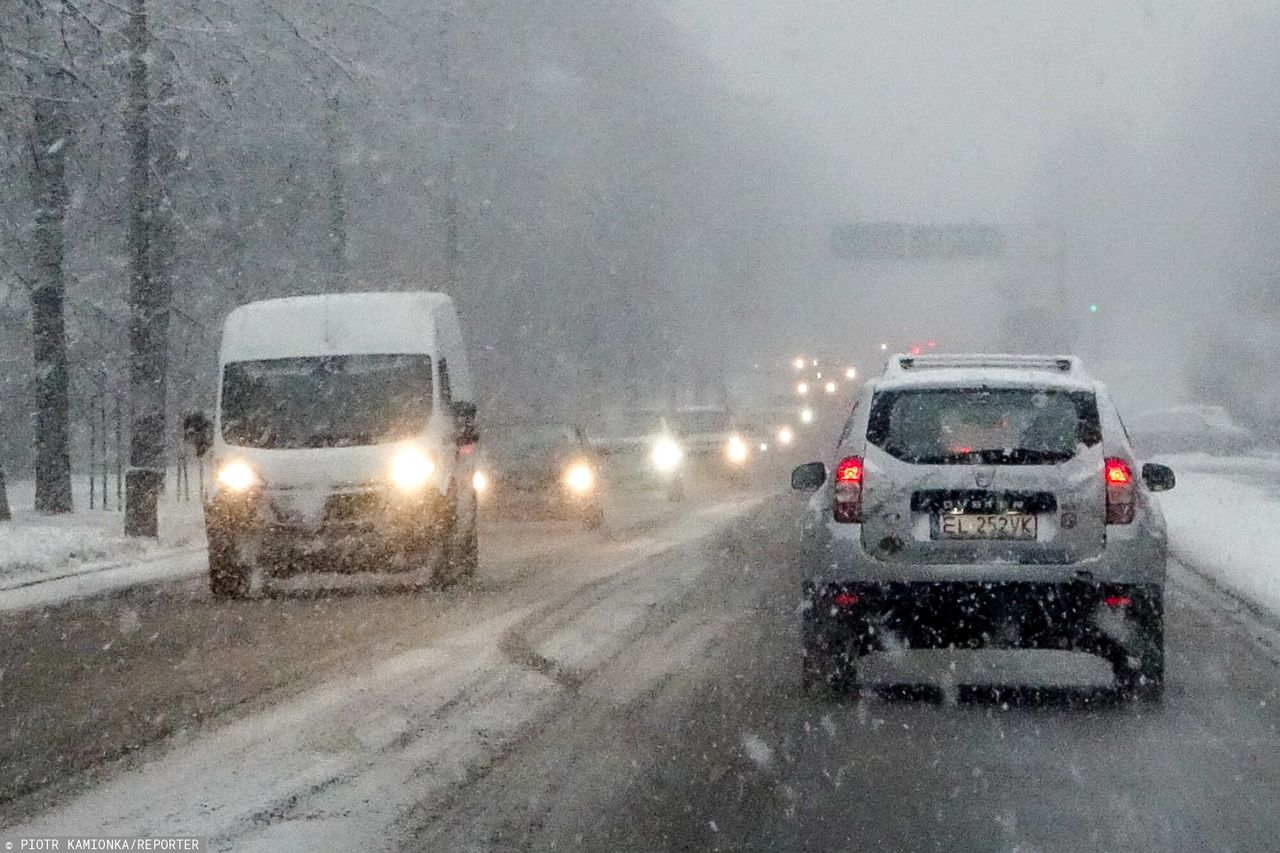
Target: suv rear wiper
[994, 456]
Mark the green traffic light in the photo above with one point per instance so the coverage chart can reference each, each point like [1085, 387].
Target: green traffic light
[1093, 308]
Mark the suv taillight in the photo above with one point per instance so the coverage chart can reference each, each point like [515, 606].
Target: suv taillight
[846, 495]
[1122, 492]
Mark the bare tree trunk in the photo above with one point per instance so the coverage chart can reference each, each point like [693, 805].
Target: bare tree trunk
[148, 300]
[454, 112]
[452, 232]
[5, 515]
[337, 190]
[50, 132]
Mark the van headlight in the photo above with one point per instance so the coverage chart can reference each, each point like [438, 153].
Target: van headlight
[579, 478]
[480, 482]
[411, 469]
[237, 476]
[736, 450]
[666, 455]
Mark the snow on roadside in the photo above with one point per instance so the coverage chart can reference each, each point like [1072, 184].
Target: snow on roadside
[1261, 463]
[1228, 529]
[36, 548]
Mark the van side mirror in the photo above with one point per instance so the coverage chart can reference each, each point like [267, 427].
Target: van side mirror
[809, 477]
[1159, 478]
[197, 431]
[465, 431]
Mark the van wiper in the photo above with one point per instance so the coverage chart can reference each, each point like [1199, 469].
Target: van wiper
[350, 439]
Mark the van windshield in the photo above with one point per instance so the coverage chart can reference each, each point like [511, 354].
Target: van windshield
[325, 401]
[983, 426]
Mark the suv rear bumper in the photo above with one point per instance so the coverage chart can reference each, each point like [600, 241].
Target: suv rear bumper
[1131, 556]
[1122, 624]
[932, 615]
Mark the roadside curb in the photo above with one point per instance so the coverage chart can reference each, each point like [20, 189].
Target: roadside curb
[100, 581]
[1267, 618]
[95, 568]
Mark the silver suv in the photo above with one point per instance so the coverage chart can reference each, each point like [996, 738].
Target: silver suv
[985, 501]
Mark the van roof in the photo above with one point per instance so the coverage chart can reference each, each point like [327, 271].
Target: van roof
[335, 324]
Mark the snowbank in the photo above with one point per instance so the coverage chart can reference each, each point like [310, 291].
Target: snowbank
[1229, 529]
[36, 548]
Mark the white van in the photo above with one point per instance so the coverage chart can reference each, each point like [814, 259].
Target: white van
[344, 440]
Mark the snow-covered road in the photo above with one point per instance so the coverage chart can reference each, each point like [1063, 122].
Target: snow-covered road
[633, 692]
[352, 695]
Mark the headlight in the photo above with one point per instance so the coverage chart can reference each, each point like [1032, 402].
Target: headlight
[786, 435]
[237, 476]
[411, 468]
[736, 450]
[580, 478]
[666, 455]
[806, 415]
[480, 482]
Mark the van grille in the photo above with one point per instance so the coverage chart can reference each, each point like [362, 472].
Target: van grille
[353, 506]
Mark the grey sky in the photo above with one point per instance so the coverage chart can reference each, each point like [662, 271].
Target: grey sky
[924, 109]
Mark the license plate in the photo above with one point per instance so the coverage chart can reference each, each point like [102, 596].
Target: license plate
[1005, 526]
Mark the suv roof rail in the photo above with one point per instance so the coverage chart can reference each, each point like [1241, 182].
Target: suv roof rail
[909, 363]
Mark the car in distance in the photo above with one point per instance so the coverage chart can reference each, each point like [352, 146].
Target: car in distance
[343, 440]
[1190, 429]
[716, 440]
[980, 501]
[552, 464]
[641, 448]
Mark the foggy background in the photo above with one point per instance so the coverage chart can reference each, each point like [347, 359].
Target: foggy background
[1146, 132]
[632, 200]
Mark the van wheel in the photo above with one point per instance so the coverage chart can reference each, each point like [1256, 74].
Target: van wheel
[464, 555]
[594, 517]
[455, 549]
[228, 579]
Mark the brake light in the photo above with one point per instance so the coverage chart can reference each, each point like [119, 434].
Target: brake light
[845, 599]
[1118, 473]
[1115, 601]
[846, 495]
[1121, 492]
[849, 470]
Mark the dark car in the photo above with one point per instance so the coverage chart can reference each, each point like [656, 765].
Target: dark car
[715, 438]
[549, 463]
[642, 447]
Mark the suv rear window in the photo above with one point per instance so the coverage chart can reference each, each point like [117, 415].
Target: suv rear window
[984, 426]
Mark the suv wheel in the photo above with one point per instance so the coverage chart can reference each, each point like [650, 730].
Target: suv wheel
[829, 664]
[1143, 676]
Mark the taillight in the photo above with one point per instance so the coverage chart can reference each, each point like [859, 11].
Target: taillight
[1121, 492]
[846, 494]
